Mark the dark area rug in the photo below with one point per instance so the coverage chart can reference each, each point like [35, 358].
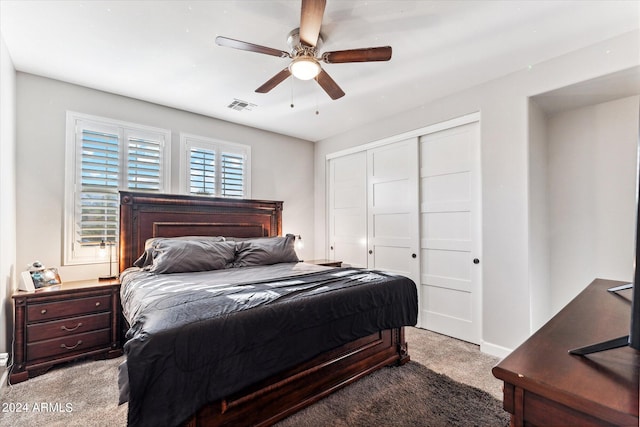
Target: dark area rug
[85, 394]
[410, 395]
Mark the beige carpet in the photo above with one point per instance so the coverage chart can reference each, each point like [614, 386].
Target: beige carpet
[77, 394]
[456, 359]
[85, 393]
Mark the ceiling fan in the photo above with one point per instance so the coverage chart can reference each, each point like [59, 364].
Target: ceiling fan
[305, 43]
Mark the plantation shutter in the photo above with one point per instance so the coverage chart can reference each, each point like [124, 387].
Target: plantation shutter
[97, 201]
[232, 175]
[144, 161]
[202, 172]
[111, 158]
[214, 168]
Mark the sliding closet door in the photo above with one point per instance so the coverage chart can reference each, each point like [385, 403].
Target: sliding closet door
[348, 209]
[450, 236]
[393, 218]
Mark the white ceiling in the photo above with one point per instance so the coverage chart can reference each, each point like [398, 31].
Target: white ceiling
[164, 51]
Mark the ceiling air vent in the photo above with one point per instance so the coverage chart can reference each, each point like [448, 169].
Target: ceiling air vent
[240, 105]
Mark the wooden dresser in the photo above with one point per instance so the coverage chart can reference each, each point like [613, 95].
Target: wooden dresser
[53, 326]
[545, 385]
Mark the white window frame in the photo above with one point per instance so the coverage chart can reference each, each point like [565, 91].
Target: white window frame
[75, 254]
[189, 141]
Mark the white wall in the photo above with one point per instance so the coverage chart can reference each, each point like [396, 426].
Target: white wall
[539, 246]
[592, 155]
[7, 194]
[503, 104]
[282, 167]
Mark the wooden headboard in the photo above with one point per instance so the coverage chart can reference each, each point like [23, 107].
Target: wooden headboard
[147, 215]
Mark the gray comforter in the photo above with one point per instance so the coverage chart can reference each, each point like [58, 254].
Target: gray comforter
[197, 337]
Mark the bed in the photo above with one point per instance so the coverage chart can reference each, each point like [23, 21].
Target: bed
[300, 332]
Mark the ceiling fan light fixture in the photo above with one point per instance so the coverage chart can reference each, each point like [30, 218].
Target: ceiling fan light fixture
[304, 67]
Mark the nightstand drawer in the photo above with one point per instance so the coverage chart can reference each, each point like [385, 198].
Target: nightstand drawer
[68, 345]
[52, 310]
[66, 327]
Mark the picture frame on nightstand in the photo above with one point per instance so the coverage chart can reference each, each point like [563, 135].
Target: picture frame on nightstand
[34, 281]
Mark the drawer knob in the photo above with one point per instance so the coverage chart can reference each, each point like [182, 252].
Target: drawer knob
[72, 347]
[64, 328]
[43, 311]
[98, 304]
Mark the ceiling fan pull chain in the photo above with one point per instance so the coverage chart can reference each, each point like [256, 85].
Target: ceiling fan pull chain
[292, 92]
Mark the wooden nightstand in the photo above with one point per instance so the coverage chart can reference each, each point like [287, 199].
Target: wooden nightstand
[325, 262]
[80, 319]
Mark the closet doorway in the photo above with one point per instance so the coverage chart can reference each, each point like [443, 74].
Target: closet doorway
[373, 208]
[410, 204]
[450, 285]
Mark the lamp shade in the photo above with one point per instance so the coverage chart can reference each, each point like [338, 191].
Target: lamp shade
[304, 67]
[102, 249]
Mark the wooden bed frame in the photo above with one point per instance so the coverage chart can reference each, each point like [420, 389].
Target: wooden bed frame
[147, 215]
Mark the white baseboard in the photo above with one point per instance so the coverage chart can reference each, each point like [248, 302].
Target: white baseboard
[494, 350]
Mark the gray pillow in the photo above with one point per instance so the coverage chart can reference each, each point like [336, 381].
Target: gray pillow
[265, 251]
[188, 255]
[146, 258]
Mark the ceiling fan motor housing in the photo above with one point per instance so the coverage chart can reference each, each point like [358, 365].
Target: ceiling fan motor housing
[294, 43]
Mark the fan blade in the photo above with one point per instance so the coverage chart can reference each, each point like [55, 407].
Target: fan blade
[358, 55]
[237, 44]
[329, 85]
[311, 21]
[274, 81]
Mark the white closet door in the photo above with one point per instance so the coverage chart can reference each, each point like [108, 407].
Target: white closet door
[450, 232]
[393, 217]
[348, 209]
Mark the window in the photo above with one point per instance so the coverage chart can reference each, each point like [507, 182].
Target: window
[214, 168]
[103, 157]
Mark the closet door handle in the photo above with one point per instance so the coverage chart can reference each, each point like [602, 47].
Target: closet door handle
[414, 256]
[476, 261]
[370, 251]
